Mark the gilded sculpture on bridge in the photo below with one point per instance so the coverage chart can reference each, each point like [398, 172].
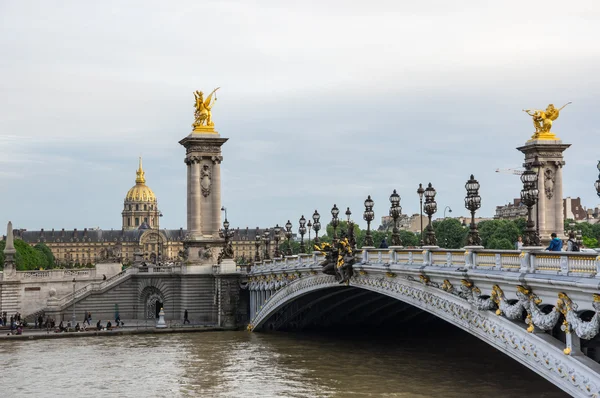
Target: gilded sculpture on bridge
[203, 116]
[339, 259]
[542, 121]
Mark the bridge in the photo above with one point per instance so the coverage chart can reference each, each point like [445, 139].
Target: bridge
[540, 308]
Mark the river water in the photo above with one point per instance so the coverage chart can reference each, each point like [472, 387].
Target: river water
[360, 363]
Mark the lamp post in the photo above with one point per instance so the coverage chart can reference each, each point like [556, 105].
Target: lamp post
[309, 226]
[302, 231]
[334, 220]
[472, 203]
[277, 237]
[597, 184]
[257, 241]
[430, 209]
[267, 239]
[158, 236]
[227, 235]
[536, 166]
[449, 210]
[421, 191]
[288, 236]
[74, 319]
[395, 211]
[351, 237]
[316, 226]
[368, 216]
[529, 196]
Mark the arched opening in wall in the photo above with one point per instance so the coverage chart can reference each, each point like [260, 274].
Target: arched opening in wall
[153, 301]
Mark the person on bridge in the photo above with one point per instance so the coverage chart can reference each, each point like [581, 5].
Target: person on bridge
[555, 244]
[383, 244]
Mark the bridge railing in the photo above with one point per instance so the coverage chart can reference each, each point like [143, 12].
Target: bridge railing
[543, 262]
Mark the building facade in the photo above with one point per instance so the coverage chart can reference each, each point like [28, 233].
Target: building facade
[139, 239]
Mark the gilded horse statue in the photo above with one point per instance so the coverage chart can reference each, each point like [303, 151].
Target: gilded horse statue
[203, 107]
[542, 119]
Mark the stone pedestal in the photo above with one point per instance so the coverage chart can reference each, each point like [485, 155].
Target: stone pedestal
[548, 214]
[203, 159]
[10, 263]
[161, 319]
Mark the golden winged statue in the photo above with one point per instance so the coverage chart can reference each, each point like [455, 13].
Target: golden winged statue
[203, 107]
[542, 121]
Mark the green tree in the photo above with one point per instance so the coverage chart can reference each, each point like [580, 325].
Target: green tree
[493, 231]
[27, 258]
[500, 244]
[590, 242]
[408, 238]
[450, 233]
[46, 254]
[283, 247]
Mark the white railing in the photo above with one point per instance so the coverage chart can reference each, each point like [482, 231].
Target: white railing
[557, 263]
[57, 274]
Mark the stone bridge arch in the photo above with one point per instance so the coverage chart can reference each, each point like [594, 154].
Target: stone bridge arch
[153, 294]
[539, 352]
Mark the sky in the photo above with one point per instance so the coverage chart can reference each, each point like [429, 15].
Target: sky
[323, 102]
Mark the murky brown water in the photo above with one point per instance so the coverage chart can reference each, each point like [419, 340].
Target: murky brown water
[241, 364]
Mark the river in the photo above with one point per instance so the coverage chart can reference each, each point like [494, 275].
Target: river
[359, 363]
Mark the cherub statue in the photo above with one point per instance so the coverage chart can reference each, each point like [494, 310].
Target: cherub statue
[203, 108]
[542, 120]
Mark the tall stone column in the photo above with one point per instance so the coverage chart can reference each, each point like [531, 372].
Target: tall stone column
[549, 154]
[10, 265]
[203, 157]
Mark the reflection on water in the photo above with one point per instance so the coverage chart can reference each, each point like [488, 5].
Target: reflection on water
[236, 364]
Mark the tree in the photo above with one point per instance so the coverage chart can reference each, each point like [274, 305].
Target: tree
[500, 244]
[27, 258]
[408, 238]
[493, 231]
[46, 254]
[450, 233]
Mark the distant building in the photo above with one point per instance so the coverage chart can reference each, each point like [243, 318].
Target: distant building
[139, 236]
[511, 211]
[572, 209]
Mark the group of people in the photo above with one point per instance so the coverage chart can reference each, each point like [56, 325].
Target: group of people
[556, 244]
[15, 322]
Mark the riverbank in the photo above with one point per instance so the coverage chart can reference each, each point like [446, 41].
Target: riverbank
[42, 334]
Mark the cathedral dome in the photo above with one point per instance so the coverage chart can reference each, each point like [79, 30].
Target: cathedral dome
[140, 192]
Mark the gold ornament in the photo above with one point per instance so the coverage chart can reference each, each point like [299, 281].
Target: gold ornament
[542, 121]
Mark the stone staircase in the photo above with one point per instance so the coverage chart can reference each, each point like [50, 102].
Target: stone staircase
[10, 298]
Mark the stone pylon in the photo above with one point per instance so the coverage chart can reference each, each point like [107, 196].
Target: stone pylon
[203, 159]
[548, 213]
[10, 266]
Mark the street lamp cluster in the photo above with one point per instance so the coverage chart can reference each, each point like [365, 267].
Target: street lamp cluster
[472, 203]
[529, 197]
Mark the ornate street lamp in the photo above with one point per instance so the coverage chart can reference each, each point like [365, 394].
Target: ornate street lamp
[277, 237]
[368, 216]
[309, 226]
[597, 184]
[430, 209]
[226, 234]
[529, 197]
[288, 236]
[421, 191]
[257, 242]
[472, 203]
[335, 220]
[302, 231]
[351, 237]
[316, 226]
[395, 211]
[267, 239]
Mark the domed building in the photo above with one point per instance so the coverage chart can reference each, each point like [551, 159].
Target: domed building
[139, 239]
[140, 206]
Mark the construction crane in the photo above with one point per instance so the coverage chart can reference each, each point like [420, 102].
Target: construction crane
[510, 171]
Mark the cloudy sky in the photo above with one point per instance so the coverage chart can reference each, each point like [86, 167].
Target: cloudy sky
[323, 102]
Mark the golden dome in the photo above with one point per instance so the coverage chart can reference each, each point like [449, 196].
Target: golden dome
[140, 192]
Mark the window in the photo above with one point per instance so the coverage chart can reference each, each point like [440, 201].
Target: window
[137, 207]
[145, 219]
[145, 207]
[137, 221]
[129, 222]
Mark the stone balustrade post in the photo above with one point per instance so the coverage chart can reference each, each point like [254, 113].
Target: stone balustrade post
[564, 265]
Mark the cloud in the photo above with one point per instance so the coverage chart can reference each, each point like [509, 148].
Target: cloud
[324, 102]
